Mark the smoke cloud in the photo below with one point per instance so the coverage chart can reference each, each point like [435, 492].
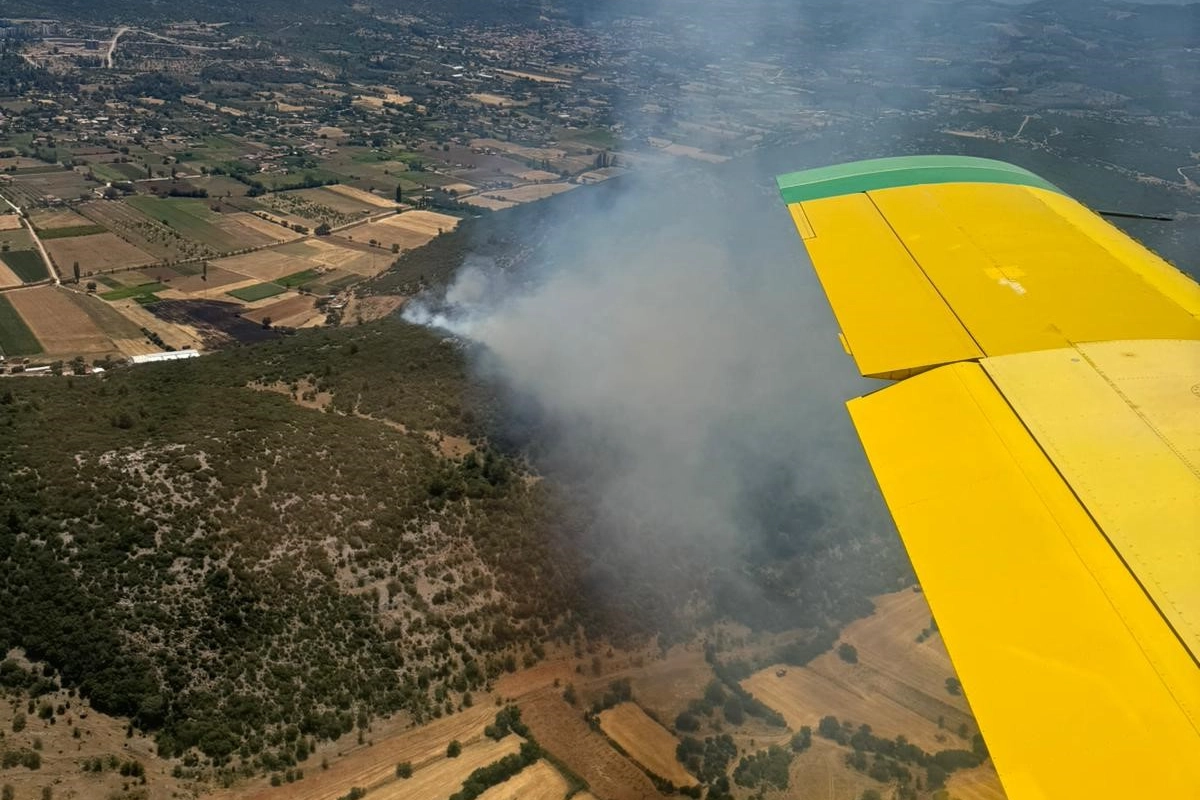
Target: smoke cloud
[685, 374]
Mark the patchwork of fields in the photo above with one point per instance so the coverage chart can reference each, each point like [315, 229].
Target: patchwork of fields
[236, 256]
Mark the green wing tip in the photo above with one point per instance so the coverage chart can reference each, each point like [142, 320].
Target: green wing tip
[888, 173]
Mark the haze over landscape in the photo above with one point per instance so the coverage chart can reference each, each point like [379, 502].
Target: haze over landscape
[499, 449]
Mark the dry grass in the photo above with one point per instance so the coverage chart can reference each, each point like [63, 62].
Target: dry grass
[100, 251]
[374, 767]
[976, 784]
[9, 222]
[272, 230]
[358, 194]
[49, 219]
[445, 776]
[100, 736]
[8, 277]
[538, 781]
[897, 686]
[560, 729]
[538, 191]
[821, 771]
[58, 323]
[666, 686]
[291, 312]
[647, 742]
[490, 203]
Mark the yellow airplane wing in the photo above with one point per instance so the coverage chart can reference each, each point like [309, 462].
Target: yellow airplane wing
[1040, 455]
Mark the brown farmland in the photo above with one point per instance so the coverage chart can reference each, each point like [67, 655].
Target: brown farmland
[538, 781]
[897, 685]
[59, 324]
[647, 742]
[100, 251]
[560, 729]
[370, 767]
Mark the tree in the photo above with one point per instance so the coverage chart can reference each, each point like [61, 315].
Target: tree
[404, 769]
[323, 229]
[454, 749]
[8, 792]
[399, 194]
[848, 653]
[953, 686]
[734, 712]
[75, 269]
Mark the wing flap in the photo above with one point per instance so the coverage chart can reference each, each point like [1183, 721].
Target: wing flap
[1073, 674]
[1113, 418]
[871, 279]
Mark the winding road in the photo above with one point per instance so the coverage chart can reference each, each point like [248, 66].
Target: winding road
[112, 46]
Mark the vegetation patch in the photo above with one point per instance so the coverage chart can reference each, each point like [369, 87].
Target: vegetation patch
[133, 291]
[27, 264]
[298, 278]
[15, 337]
[67, 233]
[258, 291]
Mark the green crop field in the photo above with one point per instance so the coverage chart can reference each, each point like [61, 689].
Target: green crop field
[15, 337]
[190, 218]
[132, 291]
[258, 291]
[27, 264]
[67, 233]
[297, 278]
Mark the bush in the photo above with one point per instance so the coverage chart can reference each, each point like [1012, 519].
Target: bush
[454, 749]
[848, 653]
[404, 769]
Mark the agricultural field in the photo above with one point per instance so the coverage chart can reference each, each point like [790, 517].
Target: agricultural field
[26, 265]
[62, 327]
[897, 686]
[147, 234]
[981, 783]
[314, 206]
[821, 771]
[310, 254]
[8, 278]
[196, 220]
[267, 227]
[536, 191]
[490, 203]
[374, 767]
[256, 292]
[367, 198]
[49, 219]
[445, 776]
[666, 686]
[538, 781]
[17, 238]
[96, 252]
[349, 201]
[294, 311]
[55, 182]
[407, 231]
[117, 171]
[16, 339]
[10, 222]
[646, 742]
[560, 729]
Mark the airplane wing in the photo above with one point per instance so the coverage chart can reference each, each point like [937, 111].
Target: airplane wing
[1040, 454]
